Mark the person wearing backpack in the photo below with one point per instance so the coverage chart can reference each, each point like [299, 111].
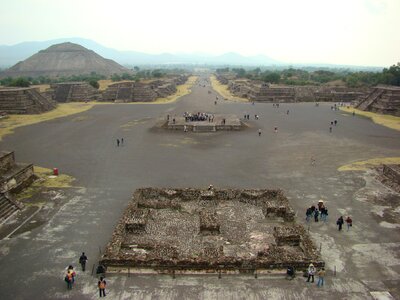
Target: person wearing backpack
[82, 260]
[102, 286]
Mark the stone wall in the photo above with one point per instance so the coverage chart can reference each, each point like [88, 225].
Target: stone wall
[208, 231]
[73, 92]
[130, 91]
[382, 99]
[24, 101]
[263, 92]
[7, 161]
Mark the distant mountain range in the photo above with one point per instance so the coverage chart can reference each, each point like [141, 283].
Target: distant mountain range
[10, 55]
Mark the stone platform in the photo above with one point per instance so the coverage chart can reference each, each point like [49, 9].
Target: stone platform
[208, 231]
[220, 122]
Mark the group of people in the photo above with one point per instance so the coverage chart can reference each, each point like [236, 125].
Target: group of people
[311, 271]
[71, 274]
[120, 142]
[340, 221]
[319, 212]
[200, 116]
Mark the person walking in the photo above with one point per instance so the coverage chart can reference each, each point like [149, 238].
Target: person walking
[259, 132]
[308, 214]
[117, 142]
[122, 141]
[70, 277]
[311, 272]
[321, 276]
[82, 260]
[102, 286]
[349, 222]
[339, 223]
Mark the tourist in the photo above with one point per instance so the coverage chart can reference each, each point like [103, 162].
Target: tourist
[82, 260]
[117, 142]
[122, 141]
[312, 161]
[185, 128]
[310, 272]
[335, 122]
[324, 213]
[259, 132]
[276, 129]
[287, 112]
[339, 223]
[330, 128]
[70, 277]
[173, 121]
[215, 102]
[349, 222]
[331, 123]
[316, 215]
[309, 213]
[102, 286]
[321, 276]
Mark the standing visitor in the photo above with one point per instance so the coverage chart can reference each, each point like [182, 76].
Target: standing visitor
[349, 222]
[82, 260]
[102, 286]
[339, 223]
[321, 276]
[311, 272]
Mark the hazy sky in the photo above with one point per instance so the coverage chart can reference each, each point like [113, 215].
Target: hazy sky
[356, 32]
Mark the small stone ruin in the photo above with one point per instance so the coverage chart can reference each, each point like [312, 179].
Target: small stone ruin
[212, 123]
[24, 101]
[73, 92]
[13, 178]
[382, 99]
[208, 231]
[389, 175]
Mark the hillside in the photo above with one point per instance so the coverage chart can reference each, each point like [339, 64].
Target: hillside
[64, 59]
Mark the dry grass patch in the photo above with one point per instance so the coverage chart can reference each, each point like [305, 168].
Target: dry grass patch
[370, 163]
[42, 87]
[222, 89]
[8, 125]
[182, 90]
[384, 120]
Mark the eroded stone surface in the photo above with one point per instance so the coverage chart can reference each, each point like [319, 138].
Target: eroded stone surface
[209, 230]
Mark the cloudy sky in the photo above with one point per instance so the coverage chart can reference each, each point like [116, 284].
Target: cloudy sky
[355, 32]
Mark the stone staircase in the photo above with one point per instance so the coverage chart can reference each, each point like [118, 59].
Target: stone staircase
[7, 207]
[74, 92]
[372, 97]
[14, 176]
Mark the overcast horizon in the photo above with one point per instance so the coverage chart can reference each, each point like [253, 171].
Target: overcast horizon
[343, 32]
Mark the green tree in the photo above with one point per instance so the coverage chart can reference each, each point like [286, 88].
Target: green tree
[20, 82]
[94, 83]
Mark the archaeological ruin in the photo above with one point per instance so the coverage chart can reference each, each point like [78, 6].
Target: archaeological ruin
[13, 178]
[382, 99]
[131, 91]
[24, 101]
[209, 123]
[187, 230]
[389, 175]
[72, 92]
[263, 92]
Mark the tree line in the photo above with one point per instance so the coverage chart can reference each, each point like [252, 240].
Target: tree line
[293, 76]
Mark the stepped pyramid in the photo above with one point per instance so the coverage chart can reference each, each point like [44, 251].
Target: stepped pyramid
[64, 59]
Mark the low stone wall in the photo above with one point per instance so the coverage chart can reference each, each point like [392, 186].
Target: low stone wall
[7, 161]
[210, 231]
[24, 101]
